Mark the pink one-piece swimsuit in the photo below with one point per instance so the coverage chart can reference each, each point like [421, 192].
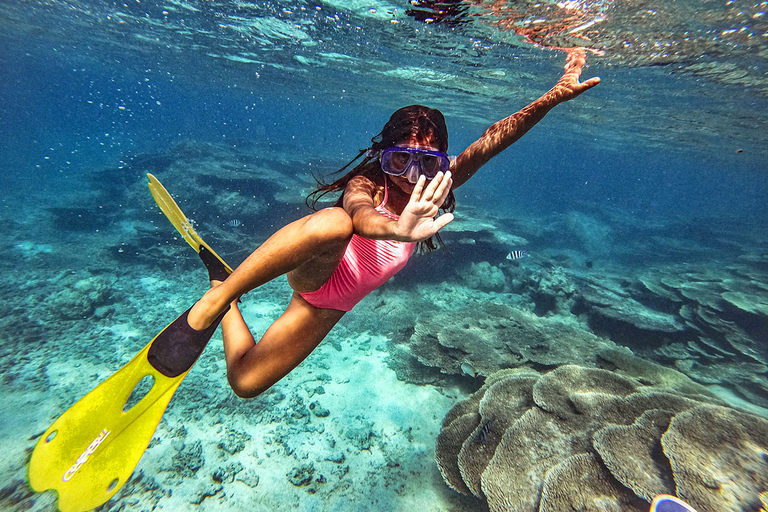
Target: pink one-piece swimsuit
[366, 265]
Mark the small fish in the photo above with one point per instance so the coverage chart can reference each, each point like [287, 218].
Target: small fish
[468, 369]
[234, 223]
[516, 255]
[483, 434]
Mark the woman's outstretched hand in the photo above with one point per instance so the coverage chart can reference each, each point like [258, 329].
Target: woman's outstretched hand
[568, 87]
[419, 219]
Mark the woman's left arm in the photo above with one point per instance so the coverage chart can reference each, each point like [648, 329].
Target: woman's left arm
[504, 133]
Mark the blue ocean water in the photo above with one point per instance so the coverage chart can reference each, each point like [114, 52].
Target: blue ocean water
[651, 188]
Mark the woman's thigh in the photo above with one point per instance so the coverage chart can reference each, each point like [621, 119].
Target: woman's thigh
[315, 272]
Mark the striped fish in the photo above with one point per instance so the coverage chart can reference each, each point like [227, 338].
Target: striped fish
[482, 435]
[234, 223]
[516, 255]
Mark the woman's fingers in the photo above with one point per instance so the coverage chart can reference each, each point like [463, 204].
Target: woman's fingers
[591, 83]
[416, 194]
[443, 188]
[429, 192]
[443, 221]
[568, 87]
[437, 188]
[575, 61]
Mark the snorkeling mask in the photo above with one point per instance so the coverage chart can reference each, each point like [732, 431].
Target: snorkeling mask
[413, 162]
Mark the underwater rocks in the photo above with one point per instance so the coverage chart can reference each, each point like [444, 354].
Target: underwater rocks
[79, 297]
[550, 289]
[484, 276]
[233, 441]
[302, 475]
[592, 439]
[147, 486]
[188, 459]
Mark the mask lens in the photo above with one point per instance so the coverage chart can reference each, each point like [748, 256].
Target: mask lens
[398, 160]
[430, 165]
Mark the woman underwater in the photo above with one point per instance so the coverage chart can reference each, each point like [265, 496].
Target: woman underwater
[336, 256]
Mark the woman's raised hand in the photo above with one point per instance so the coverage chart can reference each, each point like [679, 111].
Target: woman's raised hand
[419, 219]
[568, 87]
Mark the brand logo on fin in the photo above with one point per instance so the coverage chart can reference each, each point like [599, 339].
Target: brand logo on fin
[83, 458]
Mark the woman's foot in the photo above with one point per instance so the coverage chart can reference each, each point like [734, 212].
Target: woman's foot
[207, 309]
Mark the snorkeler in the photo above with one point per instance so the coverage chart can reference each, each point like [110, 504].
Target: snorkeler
[336, 256]
[333, 258]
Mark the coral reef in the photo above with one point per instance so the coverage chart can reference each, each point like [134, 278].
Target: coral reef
[577, 481]
[709, 323]
[648, 475]
[591, 439]
[721, 313]
[491, 337]
[484, 276]
[550, 289]
[80, 297]
[707, 446]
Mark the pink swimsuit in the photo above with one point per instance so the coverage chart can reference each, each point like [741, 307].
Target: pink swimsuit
[366, 265]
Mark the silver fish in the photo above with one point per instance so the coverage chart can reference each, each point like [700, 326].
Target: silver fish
[469, 369]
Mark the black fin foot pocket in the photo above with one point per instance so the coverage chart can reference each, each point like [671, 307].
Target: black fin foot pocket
[217, 271]
[176, 349]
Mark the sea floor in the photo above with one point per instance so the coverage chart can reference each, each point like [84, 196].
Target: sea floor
[339, 432]
[90, 279]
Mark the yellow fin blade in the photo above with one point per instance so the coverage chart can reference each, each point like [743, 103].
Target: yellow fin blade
[180, 221]
[91, 450]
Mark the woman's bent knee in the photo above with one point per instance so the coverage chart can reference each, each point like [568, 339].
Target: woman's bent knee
[334, 223]
[244, 389]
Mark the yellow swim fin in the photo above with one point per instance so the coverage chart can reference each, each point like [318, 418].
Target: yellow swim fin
[91, 450]
[180, 221]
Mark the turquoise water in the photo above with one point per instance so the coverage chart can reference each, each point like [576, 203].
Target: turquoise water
[642, 205]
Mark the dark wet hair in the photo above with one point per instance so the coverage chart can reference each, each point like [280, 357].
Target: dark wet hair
[415, 121]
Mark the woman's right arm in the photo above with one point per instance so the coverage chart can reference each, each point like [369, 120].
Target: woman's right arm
[366, 221]
[504, 133]
[417, 222]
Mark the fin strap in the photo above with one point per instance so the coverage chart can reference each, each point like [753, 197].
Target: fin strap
[176, 349]
[216, 269]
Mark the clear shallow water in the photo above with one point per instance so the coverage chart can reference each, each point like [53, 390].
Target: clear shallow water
[663, 163]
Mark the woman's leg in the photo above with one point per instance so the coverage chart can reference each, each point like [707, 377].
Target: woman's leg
[254, 367]
[316, 242]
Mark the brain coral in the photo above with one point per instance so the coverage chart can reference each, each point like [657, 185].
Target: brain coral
[718, 457]
[581, 482]
[587, 439]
